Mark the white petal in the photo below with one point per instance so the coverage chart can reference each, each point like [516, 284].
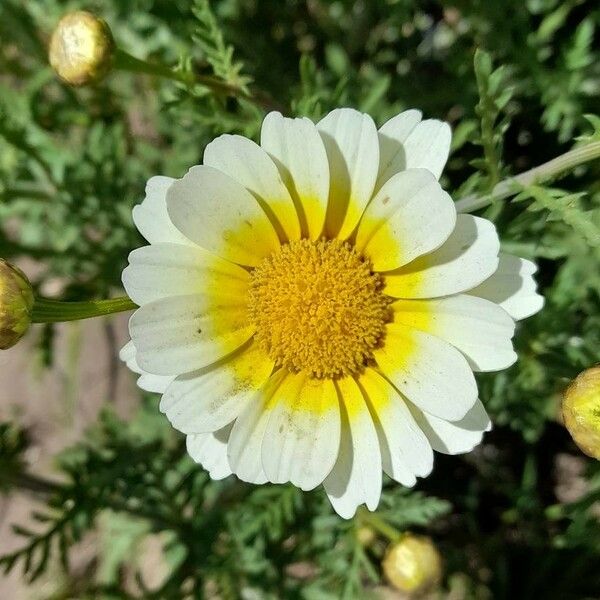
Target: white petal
[154, 383]
[220, 215]
[245, 441]
[151, 217]
[302, 437]
[428, 146]
[250, 165]
[405, 446]
[298, 151]
[208, 399]
[210, 451]
[430, 372]
[356, 476]
[480, 329]
[406, 142]
[127, 355]
[146, 381]
[468, 257]
[185, 333]
[352, 146]
[457, 437]
[410, 216]
[392, 136]
[513, 287]
[163, 270]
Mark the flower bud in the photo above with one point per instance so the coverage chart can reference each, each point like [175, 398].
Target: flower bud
[81, 48]
[16, 302]
[413, 564]
[581, 411]
[366, 536]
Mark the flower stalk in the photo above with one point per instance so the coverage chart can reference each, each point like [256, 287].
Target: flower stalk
[55, 311]
[127, 62]
[540, 174]
[377, 523]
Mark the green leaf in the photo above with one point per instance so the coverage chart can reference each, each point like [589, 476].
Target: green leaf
[211, 42]
[565, 207]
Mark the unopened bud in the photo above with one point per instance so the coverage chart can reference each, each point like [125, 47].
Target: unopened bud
[413, 564]
[81, 48]
[366, 536]
[581, 411]
[16, 302]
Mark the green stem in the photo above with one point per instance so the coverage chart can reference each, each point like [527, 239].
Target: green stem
[127, 62]
[379, 524]
[34, 484]
[27, 193]
[549, 170]
[55, 311]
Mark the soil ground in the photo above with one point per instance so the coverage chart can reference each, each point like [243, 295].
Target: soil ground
[56, 406]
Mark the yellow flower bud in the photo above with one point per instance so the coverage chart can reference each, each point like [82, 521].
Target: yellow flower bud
[413, 564]
[581, 411]
[365, 535]
[16, 302]
[81, 48]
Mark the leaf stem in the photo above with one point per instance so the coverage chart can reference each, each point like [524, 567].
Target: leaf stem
[379, 524]
[542, 173]
[55, 311]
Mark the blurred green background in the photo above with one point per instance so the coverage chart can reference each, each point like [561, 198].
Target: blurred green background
[117, 508]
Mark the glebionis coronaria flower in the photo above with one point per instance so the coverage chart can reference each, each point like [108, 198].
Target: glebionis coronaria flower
[312, 309]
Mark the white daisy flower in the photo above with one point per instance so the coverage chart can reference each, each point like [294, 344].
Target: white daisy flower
[312, 309]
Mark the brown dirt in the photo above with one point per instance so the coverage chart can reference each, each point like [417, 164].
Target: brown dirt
[56, 406]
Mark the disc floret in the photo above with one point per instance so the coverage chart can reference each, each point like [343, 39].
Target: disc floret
[318, 308]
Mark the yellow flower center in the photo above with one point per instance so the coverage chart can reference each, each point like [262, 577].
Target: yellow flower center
[318, 308]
